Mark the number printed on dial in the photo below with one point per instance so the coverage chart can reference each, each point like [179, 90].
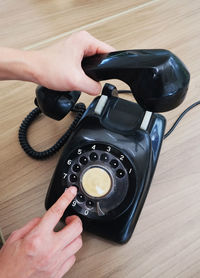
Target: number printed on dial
[69, 162]
[108, 149]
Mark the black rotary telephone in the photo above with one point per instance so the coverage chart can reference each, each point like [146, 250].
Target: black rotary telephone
[112, 148]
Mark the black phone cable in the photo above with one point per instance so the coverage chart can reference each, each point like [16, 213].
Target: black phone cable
[180, 118]
[79, 108]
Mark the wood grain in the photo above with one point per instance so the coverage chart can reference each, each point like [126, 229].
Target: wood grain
[23, 23]
[166, 241]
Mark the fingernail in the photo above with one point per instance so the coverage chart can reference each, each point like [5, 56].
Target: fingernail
[73, 190]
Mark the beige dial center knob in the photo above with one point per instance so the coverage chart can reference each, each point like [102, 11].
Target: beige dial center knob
[96, 182]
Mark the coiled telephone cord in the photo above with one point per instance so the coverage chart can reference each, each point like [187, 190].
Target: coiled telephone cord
[79, 108]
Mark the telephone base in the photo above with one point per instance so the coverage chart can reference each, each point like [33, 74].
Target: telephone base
[112, 144]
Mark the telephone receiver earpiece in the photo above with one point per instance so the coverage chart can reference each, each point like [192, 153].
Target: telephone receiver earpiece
[55, 104]
[157, 78]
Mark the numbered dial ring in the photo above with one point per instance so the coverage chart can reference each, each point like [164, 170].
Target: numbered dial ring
[105, 179]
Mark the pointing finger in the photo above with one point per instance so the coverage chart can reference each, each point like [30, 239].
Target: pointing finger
[53, 215]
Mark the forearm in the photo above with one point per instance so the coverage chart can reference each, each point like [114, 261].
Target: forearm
[57, 67]
[17, 64]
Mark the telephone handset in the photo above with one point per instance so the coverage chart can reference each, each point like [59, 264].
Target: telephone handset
[157, 78]
[112, 151]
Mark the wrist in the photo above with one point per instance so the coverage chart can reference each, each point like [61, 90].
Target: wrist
[17, 64]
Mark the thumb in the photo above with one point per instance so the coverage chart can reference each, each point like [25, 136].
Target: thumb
[70, 219]
[94, 46]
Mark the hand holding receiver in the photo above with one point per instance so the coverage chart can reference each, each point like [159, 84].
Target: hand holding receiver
[157, 78]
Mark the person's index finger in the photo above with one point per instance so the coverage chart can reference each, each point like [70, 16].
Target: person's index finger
[53, 215]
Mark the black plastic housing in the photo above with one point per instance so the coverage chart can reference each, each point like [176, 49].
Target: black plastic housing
[159, 82]
[118, 126]
[55, 104]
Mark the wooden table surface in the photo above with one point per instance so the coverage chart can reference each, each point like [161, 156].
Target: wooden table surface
[166, 241]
